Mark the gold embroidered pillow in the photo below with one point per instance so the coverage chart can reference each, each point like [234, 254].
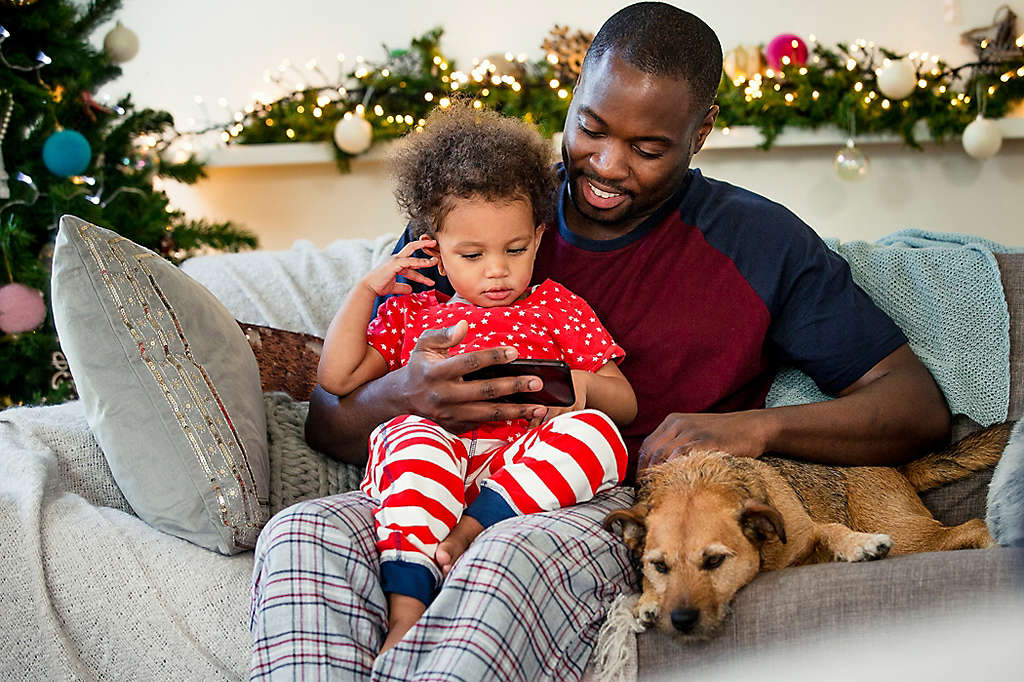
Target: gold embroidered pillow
[169, 385]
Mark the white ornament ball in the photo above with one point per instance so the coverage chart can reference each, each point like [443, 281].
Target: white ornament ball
[353, 135]
[121, 44]
[851, 163]
[982, 138]
[897, 78]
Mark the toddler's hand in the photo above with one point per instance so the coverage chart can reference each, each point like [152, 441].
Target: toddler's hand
[382, 280]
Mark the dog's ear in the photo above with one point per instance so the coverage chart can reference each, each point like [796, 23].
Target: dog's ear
[628, 524]
[760, 521]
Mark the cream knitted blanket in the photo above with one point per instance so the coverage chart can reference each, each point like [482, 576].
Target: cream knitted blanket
[88, 590]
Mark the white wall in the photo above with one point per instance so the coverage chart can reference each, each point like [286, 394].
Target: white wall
[221, 49]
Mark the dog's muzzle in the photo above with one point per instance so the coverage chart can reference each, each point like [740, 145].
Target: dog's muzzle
[684, 619]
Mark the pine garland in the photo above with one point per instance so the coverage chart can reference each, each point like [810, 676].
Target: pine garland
[827, 92]
[396, 94]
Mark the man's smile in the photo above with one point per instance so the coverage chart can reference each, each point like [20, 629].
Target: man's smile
[600, 197]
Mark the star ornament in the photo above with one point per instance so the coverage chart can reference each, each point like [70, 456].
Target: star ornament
[997, 42]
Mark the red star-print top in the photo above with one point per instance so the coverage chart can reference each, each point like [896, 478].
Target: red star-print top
[551, 323]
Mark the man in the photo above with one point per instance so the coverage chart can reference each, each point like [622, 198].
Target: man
[708, 288]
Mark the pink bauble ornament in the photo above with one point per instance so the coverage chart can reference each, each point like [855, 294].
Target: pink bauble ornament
[22, 308]
[786, 45]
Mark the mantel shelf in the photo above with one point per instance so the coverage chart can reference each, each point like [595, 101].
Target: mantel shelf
[737, 138]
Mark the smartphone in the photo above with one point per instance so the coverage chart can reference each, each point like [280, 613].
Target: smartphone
[555, 374]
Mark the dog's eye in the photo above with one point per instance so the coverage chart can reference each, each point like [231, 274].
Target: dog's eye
[712, 562]
[660, 566]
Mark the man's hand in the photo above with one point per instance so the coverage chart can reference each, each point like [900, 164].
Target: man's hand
[737, 433]
[580, 380]
[433, 386]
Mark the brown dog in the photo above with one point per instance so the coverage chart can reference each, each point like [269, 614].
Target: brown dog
[705, 524]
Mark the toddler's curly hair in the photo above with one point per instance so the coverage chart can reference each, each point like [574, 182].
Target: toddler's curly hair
[465, 153]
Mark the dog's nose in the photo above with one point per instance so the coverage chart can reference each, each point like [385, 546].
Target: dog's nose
[684, 619]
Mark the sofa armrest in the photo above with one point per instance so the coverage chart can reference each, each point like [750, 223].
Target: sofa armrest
[965, 499]
[1011, 269]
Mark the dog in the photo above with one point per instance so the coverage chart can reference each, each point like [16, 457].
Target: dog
[707, 523]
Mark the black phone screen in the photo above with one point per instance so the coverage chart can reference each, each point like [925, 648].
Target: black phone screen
[555, 374]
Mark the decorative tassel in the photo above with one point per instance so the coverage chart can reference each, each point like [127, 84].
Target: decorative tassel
[614, 658]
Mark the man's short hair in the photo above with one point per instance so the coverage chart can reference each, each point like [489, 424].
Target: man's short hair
[663, 40]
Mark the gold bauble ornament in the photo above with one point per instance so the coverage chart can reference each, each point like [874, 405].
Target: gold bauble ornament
[742, 62]
[121, 44]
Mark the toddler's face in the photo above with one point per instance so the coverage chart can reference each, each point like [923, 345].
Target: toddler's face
[487, 250]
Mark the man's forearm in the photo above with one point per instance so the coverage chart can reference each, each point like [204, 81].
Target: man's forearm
[886, 423]
[340, 427]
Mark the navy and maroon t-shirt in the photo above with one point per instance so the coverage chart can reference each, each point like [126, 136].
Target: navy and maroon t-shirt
[710, 295]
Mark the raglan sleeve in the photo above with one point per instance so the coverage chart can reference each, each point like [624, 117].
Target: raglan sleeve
[825, 324]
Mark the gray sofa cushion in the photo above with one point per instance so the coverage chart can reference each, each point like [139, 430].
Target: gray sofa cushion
[812, 603]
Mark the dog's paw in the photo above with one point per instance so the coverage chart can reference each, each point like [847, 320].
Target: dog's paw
[647, 614]
[867, 547]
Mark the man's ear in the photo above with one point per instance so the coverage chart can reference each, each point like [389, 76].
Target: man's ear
[628, 524]
[760, 521]
[706, 126]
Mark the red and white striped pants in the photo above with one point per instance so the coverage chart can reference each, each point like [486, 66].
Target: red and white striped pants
[423, 477]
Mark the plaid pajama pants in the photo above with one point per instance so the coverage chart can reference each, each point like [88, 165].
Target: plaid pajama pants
[423, 477]
[525, 602]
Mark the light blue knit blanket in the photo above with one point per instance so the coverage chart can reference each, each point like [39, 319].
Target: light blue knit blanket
[944, 291]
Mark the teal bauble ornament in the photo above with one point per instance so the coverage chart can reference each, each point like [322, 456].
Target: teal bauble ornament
[66, 153]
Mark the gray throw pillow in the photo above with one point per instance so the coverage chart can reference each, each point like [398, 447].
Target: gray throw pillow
[169, 386]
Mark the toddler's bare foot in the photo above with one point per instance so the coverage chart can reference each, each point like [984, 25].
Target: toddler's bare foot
[452, 547]
[403, 612]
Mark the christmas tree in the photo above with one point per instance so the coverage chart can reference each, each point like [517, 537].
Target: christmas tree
[63, 152]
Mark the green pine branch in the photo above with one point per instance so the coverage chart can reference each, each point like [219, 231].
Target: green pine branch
[116, 190]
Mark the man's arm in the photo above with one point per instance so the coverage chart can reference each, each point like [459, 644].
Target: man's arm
[887, 417]
[429, 385]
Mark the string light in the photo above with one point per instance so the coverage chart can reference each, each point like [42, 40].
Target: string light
[485, 75]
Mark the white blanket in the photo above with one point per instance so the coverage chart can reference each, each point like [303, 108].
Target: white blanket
[88, 590]
[299, 289]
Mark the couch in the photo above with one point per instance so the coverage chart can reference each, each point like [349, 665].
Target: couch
[91, 591]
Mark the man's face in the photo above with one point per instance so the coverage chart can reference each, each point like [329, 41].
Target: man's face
[629, 137]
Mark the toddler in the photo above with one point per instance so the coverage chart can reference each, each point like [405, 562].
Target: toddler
[478, 189]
